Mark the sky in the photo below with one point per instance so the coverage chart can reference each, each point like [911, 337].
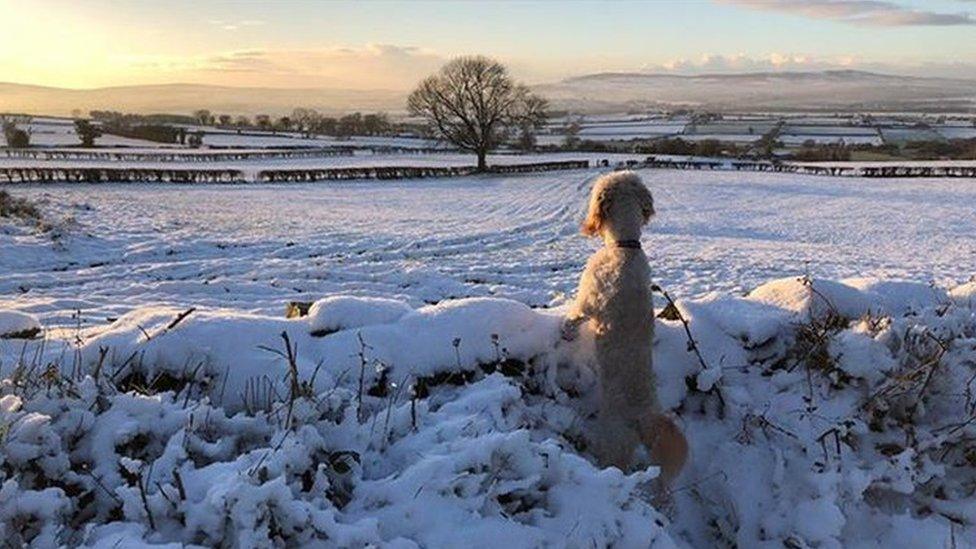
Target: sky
[391, 45]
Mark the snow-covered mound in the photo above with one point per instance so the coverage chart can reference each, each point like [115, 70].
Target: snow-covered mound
[851, 298]
[15, 324]
[813, 299]
[965, 295]
[820, 414]
[899, 297]
[343, 312]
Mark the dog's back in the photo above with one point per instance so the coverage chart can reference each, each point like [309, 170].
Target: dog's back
[623, 325]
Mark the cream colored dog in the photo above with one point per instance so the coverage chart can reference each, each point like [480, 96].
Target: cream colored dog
[614, 299]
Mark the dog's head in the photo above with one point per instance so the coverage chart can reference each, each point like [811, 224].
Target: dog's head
[617, 192]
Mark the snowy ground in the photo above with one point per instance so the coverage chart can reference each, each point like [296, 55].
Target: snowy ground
[61, 133]
[820, 414]
[255, 247]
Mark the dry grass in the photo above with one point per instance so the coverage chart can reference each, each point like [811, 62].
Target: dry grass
[18, 208]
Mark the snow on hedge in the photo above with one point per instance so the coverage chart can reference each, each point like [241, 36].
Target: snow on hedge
[15, 324]
[819, 413]
[343, 312]
[965, 295]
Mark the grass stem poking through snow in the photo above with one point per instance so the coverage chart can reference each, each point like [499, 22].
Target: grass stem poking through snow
[362, 374]
[295, 388]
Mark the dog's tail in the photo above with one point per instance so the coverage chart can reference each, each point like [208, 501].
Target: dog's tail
[667, 445]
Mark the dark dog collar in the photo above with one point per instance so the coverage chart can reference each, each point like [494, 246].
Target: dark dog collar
[628, 244]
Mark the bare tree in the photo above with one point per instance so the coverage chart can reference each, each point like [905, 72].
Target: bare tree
[572, 131]
[304, 120]
[475, 105]
[350, 124]
[203, 116]
[16, 138]
[87, 132]
[375, 124]
[241, 122]
[283, 123]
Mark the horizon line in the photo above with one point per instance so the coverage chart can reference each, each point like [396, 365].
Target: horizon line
[567, 78]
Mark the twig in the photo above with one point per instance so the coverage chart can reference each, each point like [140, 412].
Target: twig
[178, 479]
[145, 500]
[362, 375]
[284, 435]
[692, 344]
[179, 318]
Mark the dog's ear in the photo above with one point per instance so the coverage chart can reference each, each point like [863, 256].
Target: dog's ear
[594, 217]
[646, 201]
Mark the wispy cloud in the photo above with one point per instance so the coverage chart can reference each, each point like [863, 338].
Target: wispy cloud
[236, 25]
[369, 66]
[878, 13]
[240, 61]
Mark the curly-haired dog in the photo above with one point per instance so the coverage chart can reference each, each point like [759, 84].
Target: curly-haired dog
[614, 299]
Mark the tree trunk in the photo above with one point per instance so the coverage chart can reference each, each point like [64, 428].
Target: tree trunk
[482, 163]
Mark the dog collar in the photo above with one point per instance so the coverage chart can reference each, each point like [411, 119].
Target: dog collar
[628, 244]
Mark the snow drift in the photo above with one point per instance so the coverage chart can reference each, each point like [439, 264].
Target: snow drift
[820, 413]
[18, 325]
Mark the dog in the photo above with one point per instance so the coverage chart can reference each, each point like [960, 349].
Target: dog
[614, 300]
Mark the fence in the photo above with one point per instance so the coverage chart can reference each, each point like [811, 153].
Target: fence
[200, 175]
[808, 169]
[119, 175]
[408, 172]
[177, 155]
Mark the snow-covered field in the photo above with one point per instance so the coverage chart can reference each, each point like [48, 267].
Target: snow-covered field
[61, 133]
[254, 247]
[957, 132]
[232, 139]
[426, 404]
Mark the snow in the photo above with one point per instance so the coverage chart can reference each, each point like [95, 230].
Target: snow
[813, 298]
[901, 135]
[613, 128]
[731, 137]
[965, 295]
[62, 133]
[843, 131]
[427, 399]
[800, 139]
[423, 338]
[899, 297]
[252, 139]
[15, 322]
[256, 247]
[344, 312]
[489, 459]
[957, 132]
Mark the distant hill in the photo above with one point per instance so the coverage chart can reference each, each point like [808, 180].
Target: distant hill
[845, 90]
[823, 90]
[185, 98]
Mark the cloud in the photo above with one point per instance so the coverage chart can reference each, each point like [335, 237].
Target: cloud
[731, 63]
[370, 66]
[236, 25]
[878, 13]
[240, 61]
[716, 63]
